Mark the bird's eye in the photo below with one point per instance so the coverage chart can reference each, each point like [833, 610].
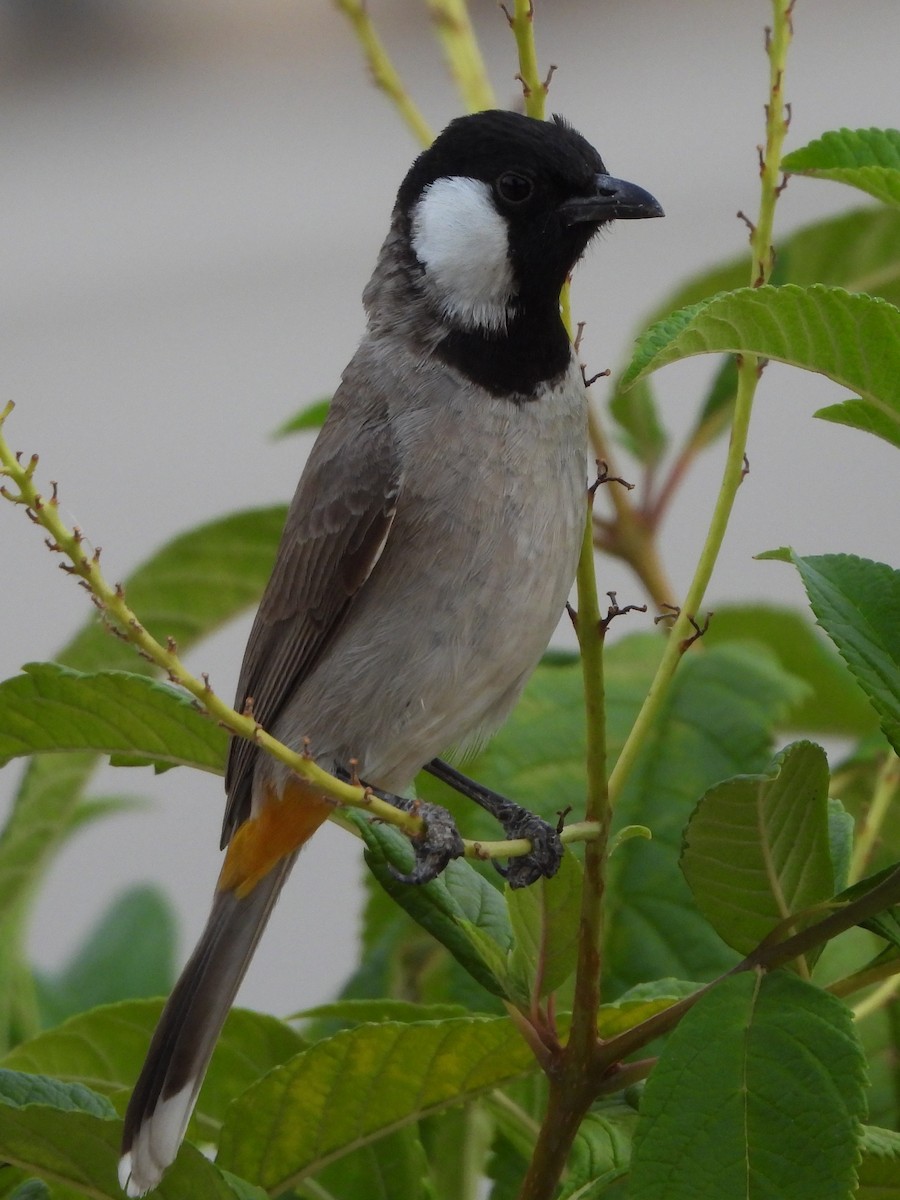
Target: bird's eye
[514, 187]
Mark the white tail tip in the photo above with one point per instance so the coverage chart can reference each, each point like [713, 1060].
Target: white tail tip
[156, 1142]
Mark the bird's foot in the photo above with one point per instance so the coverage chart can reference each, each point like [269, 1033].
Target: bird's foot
[435, 847]
[542, 860]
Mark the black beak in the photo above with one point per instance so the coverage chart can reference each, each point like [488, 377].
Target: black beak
[613, 200]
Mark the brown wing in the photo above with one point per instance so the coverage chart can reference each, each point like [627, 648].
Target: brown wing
[336, 529]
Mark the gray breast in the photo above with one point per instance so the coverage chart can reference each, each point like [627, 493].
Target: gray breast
[472, 581]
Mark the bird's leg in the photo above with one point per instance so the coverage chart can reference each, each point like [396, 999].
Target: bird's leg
[439, 842]
[546, 847]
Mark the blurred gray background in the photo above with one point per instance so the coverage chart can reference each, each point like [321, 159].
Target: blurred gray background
[192, 198]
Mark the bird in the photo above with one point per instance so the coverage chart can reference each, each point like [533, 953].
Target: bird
[427, 555]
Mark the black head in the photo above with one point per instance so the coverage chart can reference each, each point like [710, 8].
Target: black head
[498, 211]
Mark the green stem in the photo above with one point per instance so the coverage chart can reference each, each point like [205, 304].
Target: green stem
[462, 52]
[864, 978]
[748, 377]
[882, 995]
[628, 535]
[766, 957]
[521, 22]
[110, 600]
[384, 73]
[886, 788]
[590, 632]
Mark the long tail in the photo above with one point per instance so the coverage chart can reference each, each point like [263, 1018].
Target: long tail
[258, 862]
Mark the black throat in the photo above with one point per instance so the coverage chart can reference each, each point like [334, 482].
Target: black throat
[533, 350]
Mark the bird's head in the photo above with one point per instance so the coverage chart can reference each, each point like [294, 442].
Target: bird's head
[498, 211]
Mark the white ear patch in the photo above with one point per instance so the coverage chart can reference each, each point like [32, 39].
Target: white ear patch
[461, 240]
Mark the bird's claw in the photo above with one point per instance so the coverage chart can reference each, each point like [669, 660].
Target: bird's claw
[434, 848]
[542, 861]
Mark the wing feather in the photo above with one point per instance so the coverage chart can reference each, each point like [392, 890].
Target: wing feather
[336, 529]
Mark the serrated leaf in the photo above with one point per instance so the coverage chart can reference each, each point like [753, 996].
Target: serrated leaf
[130, 953]
[351, 1089]
[18, 1089]
[853, 339]
[868, 159]
[708, 730]
[187, 589]
[545, 920]
[756, 848]
[879, 1167]
[856, 601]
[600, 1153]
[311, 417]
[859, 251]
[50, 708]
[459, 908]
[104, 1050]
[834, 703]
[860, 414]
[758, 1093]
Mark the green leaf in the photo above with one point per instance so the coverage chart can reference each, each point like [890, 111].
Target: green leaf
[868, 159]
[459, 908]
[19, 1089]
[834, 703]
[50, 708]
[708, 730]
[352, 1089]
[394, 1167]
[860, 414]
[853, 339]
[859, 251]
[81, 1151]
[546, 919]
[241, 1189]
[311, 417]
[188, 589]
[600, 1153]
[756, 849]
[841, 827]
[104, 1050]
[879, 1168]
[129, 954]
[457, 1146]
[758, 1093]
[31, 1189]
[365, 1012]
[637, 417]
[885, 924]
[856, 601]
[715, 412]
[640, 1003]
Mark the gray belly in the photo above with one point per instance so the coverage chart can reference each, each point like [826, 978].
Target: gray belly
[460, 607]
